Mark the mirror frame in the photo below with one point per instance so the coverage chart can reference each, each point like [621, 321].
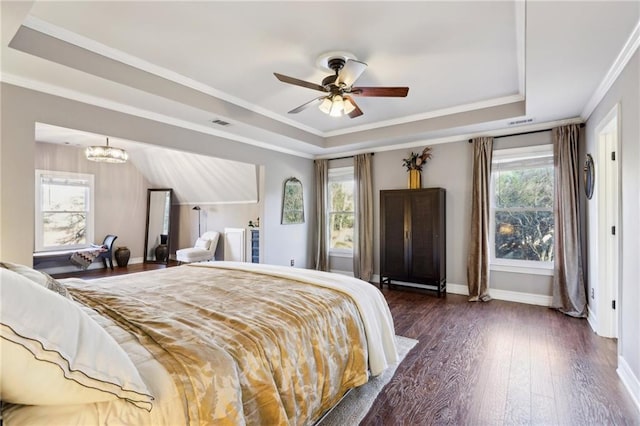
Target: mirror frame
[146, 257]
[589, 176]
[292, 202]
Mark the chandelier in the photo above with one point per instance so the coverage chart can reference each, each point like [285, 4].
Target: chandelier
[336, 105]
[106, 154]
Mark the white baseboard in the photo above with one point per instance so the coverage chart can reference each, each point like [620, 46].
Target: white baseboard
[592, 319]
[510, 296]
[630, 381]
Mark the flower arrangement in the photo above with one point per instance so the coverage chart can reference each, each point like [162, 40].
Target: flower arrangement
[416, 161]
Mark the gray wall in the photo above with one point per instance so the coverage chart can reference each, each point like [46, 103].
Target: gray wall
[22, 108]
[120, 193]
[450, 168]
[626, 92]
[215, 217]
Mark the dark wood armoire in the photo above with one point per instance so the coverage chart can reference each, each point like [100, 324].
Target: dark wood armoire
[413, 238]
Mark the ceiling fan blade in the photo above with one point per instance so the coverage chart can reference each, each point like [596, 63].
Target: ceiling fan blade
[298, 82]
[357, 112]
[350, 72]
[393, 92]
[307, 105]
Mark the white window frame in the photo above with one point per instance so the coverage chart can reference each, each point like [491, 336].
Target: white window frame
[511, 265]
[39, 237]
[338, 174]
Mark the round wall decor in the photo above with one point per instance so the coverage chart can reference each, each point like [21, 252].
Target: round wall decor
[589, 176]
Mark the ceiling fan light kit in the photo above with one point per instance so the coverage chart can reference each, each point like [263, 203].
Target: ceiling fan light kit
[339, 86]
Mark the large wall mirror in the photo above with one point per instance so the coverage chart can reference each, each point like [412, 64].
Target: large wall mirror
[156, 239]
[292, 202]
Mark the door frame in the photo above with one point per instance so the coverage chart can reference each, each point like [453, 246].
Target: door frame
[608, 251]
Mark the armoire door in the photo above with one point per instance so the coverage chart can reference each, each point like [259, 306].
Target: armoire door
[424, 219]
[393, 235]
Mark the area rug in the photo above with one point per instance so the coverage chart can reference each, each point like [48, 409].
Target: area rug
[353, 407]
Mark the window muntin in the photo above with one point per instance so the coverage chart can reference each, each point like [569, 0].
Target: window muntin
[341, 210]
[522, 223]
[64, 210]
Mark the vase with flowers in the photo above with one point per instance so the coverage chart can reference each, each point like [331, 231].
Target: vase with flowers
[414, 164]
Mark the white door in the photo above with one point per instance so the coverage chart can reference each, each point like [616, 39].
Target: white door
[607, 187]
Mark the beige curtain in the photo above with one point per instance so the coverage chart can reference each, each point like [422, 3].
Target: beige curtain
[478, 258]
[363, 228]
[322, 179]
[569, 294]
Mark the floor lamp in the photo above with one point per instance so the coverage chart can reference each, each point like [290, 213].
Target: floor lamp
[198, 209]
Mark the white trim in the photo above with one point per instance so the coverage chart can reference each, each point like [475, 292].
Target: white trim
[344, 254]
[507, 295]
[524, 157]
[592, 319]
[630, 381]
[428, 115]
[333, 152]
[623, 58]
[138, 112]
[347, 273]
[90, 218]
[135, 62]
[215, 203]
[530, 270]
[608, 214]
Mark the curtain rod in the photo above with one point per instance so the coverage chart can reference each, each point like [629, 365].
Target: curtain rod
[346, 156]
[525, 133]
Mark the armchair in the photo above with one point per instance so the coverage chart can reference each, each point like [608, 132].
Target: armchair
[204, 249]
[107, 255]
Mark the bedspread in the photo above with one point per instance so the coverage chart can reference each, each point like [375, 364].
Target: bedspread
[243, 348]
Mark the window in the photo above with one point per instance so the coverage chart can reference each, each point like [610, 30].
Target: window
[64, 210]
[522, 229]
[341, 213]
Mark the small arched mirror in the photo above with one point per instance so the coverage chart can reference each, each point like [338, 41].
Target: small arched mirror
[589, 175]
[292, 202]
[156, 240]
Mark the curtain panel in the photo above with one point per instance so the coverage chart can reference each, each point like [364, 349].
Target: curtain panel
[479, 255]
[322, 182]
[569, 292]
[363, 228]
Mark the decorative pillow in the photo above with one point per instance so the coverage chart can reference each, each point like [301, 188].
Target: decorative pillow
[203, 244]
[40, 278]
[54, 353]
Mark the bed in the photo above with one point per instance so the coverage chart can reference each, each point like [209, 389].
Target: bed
[208, 343]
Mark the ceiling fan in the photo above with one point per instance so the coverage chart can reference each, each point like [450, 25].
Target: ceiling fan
[339, 88]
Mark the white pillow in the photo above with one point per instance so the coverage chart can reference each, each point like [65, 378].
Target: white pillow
[38, 277]
[54, 353]
[203, 244]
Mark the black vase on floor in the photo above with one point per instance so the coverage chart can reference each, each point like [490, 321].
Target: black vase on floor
[122, 255]
[162, 252]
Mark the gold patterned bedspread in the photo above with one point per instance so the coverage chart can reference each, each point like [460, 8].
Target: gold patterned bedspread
[242, 347]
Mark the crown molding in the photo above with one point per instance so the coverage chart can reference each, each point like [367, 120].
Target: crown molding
[142, 113]
[135, 62]
[623, 58]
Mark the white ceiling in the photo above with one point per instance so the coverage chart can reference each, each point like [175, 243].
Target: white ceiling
[472, 67]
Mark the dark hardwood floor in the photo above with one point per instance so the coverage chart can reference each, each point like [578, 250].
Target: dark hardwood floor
[117, 270]
[495, 363]
[499, 363]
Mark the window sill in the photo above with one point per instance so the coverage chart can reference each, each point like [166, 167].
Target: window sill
[340, 254]
[522, 269]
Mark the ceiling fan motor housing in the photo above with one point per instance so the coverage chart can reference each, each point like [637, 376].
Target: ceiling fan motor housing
[329, 82]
